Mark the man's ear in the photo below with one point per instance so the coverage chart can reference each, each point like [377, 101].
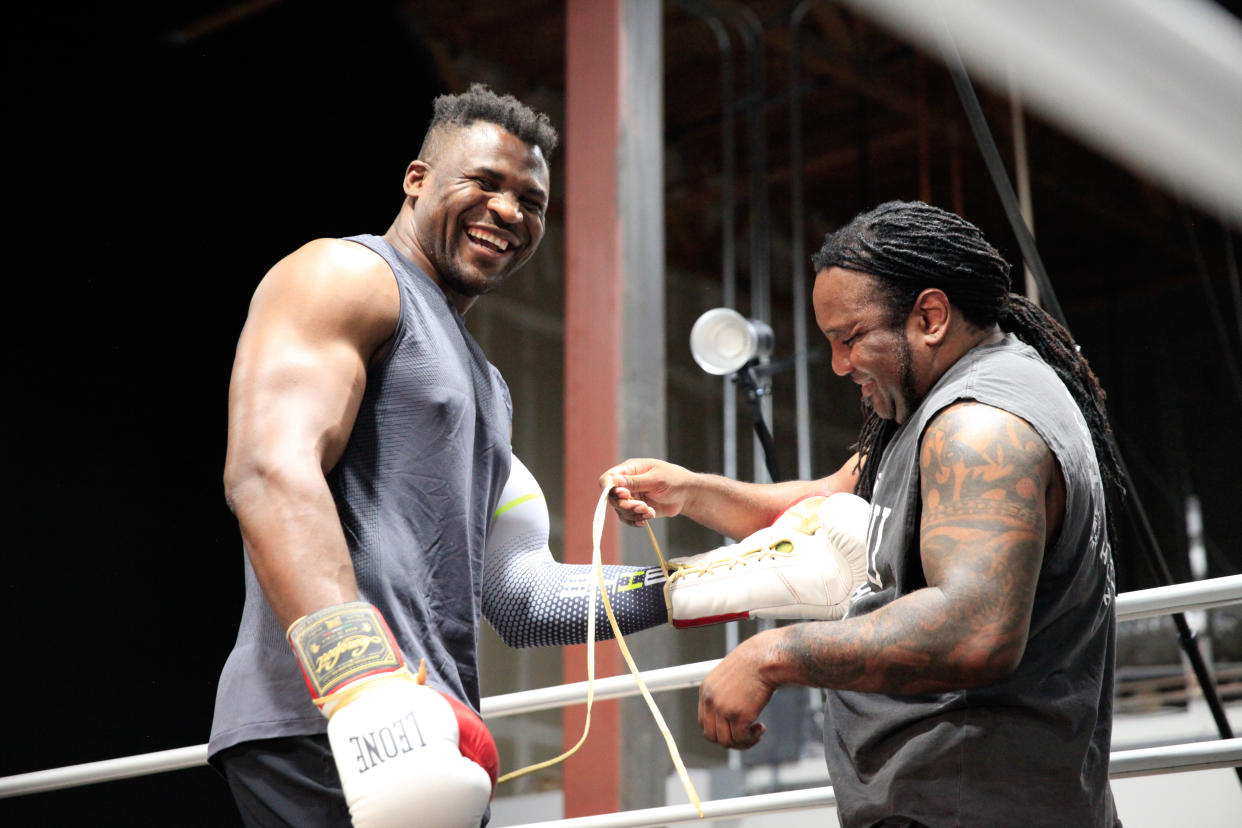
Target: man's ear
[416, 178]
[931, 315]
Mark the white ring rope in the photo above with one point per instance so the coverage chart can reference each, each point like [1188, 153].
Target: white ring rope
[1165, 600]
[1191, 757]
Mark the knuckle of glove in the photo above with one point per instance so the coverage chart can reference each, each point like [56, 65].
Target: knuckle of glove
[844, 519]
[397, 751]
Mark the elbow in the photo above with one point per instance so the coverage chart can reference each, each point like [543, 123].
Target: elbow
[239, 479]
[250, 479]
[513, 635]
[231, 487]
[511, 639]
[989, 660]
[509, 609]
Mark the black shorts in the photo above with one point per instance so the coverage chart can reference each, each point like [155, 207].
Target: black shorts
[290, 782]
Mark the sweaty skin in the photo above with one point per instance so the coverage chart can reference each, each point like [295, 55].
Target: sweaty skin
[989, 485]
[992, 496]
[476, 211]
[298, 378]
[645, 488]
[322, 315]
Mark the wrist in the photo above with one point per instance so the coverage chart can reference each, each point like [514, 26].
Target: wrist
[342, 644]
[691, 494]
[777, 661]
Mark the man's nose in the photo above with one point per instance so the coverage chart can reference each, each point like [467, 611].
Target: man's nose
[506, 207]
[840, 359]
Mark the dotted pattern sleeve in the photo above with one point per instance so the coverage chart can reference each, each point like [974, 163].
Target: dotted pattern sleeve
[532, 600]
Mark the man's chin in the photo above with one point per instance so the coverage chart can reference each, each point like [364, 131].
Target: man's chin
[473, 285]
[868, 408]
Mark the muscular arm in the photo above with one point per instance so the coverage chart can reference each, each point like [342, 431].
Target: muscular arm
[532, 600]
[315, 321]
[653, 488]
[986, 478]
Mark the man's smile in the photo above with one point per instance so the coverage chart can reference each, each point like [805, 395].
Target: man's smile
[492, 240]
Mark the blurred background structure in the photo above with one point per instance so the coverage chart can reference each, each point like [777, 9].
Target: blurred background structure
[163, 156]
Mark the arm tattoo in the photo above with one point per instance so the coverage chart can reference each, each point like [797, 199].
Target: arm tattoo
[984, 475]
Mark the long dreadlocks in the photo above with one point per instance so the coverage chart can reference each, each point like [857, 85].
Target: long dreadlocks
[911, 246]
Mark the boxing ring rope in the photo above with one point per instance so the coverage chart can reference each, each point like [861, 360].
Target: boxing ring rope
[1146, 603]
[1195, 756]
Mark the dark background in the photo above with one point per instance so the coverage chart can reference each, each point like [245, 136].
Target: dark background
[162, 157]
[157, 178]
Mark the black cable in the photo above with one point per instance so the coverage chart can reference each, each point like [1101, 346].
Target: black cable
[1000, 177]
[746, 378]
[1231, 267]
[1004, 189]
[1218, 321]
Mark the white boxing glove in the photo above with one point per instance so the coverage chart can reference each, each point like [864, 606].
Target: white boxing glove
[806, 565]
[407, 754]
[843, 519]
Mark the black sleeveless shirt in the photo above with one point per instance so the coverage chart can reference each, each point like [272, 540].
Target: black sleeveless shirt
[415, 488]
[1029, 750]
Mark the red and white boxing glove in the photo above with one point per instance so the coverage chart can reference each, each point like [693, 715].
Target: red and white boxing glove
[407, 754]
[806, 565]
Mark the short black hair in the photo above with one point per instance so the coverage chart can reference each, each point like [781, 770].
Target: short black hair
[480, 103]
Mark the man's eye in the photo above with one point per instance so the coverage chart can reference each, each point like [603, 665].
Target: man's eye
[533, 206]
[485, 185]
[849, 340]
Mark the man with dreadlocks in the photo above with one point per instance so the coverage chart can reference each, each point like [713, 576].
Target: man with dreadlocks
[971, 681]
[369, 465]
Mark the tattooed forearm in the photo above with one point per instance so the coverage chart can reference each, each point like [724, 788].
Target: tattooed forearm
[985, 474]
[910, 646]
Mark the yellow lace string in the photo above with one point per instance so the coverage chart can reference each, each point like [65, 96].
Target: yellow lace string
[777, 549]
[597, 530]
[664, 565]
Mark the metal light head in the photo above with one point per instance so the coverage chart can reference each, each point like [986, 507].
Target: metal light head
[723, 341]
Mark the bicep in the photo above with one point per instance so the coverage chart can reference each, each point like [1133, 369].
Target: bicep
[984, 475]
[300, 368]
[293, 392]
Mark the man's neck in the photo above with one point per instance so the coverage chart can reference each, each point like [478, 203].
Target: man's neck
[990, 336]
[399, 236]
[956, 346]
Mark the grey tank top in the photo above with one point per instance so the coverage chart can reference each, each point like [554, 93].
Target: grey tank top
[415, 488]
[1032, 749]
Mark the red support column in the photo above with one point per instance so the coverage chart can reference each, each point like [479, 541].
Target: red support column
[593, 324]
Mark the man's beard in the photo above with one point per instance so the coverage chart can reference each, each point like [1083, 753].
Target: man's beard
[908, 392]
[455, 279]
[905, 384]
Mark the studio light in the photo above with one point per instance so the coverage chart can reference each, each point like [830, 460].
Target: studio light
[723, 341]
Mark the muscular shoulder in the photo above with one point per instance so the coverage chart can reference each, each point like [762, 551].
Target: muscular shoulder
[331, 286]
[330, 270]
[971, 452]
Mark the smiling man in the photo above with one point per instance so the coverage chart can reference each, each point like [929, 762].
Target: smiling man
[970, 682]
[368, 446]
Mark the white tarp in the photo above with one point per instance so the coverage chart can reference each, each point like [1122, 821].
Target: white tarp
[1154, 84]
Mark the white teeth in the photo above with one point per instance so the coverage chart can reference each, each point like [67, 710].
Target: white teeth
[483, 235]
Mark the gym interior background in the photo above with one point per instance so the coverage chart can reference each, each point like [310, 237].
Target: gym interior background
[163, 156]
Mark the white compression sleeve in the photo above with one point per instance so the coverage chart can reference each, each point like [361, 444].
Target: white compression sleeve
[531, 600]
